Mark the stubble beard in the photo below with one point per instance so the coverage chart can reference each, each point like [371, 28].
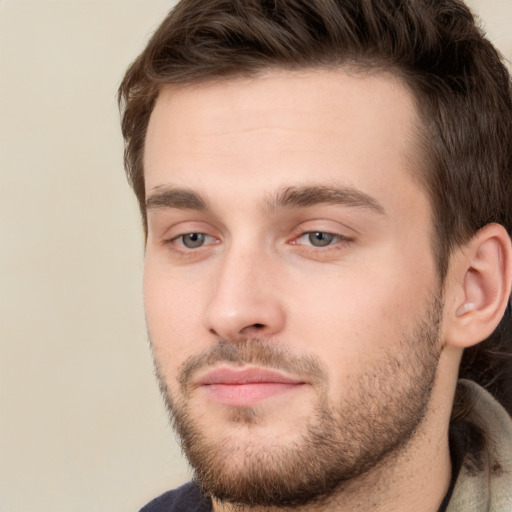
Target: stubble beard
[377, 415]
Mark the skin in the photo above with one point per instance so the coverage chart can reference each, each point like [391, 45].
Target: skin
[239, 144]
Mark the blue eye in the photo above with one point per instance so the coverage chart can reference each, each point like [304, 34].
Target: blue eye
[193, 240]
[320, 239]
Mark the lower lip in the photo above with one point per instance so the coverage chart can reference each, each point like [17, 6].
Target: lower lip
[246, 395]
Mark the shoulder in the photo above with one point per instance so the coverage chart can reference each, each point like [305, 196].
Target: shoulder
[485, 479]
[186, 498]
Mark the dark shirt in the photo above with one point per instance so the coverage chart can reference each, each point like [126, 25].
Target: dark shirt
[186, 498]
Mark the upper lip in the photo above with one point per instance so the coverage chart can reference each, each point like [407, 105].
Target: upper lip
[247, 375]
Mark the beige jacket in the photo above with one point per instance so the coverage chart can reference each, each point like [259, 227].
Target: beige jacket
[491, 489]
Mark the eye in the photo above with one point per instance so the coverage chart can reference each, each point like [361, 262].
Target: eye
[192, 240]
[319, 239]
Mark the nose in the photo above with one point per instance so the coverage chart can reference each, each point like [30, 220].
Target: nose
[245, 302]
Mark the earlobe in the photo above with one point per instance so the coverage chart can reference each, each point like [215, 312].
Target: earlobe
[483, 274]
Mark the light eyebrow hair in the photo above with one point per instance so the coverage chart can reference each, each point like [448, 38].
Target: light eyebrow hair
[304, 196]
[173, 197]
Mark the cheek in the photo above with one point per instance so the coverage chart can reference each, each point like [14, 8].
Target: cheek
[362, 312]
[173, 317]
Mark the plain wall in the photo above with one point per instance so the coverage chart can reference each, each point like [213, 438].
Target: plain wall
[82, 427]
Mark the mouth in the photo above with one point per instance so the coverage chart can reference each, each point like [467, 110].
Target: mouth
[245, 387]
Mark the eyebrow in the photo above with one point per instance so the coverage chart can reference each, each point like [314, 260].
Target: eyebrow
[287, 198]
[179, 198]
[302, 197]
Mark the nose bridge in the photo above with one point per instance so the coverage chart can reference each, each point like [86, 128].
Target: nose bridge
[244, 302]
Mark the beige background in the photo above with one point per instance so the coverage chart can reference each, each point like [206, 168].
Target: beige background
[82, 428]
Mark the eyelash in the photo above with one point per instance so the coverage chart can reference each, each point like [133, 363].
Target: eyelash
[332, 240]
[180, 240]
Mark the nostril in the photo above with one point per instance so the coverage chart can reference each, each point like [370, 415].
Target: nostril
[258, 326]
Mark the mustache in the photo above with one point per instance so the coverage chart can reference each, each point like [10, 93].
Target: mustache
[253, 351]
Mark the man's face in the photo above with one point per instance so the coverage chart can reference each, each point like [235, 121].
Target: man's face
[291, 293]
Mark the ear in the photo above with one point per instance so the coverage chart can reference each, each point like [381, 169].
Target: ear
[478, 287]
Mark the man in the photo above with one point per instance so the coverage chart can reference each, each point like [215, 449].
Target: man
[325, 188]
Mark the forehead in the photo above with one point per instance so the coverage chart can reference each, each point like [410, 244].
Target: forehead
[285, 125]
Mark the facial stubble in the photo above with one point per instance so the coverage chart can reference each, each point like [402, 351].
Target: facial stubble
[377, 415]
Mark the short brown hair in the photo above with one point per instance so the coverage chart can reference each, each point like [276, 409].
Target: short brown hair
[461, 88]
